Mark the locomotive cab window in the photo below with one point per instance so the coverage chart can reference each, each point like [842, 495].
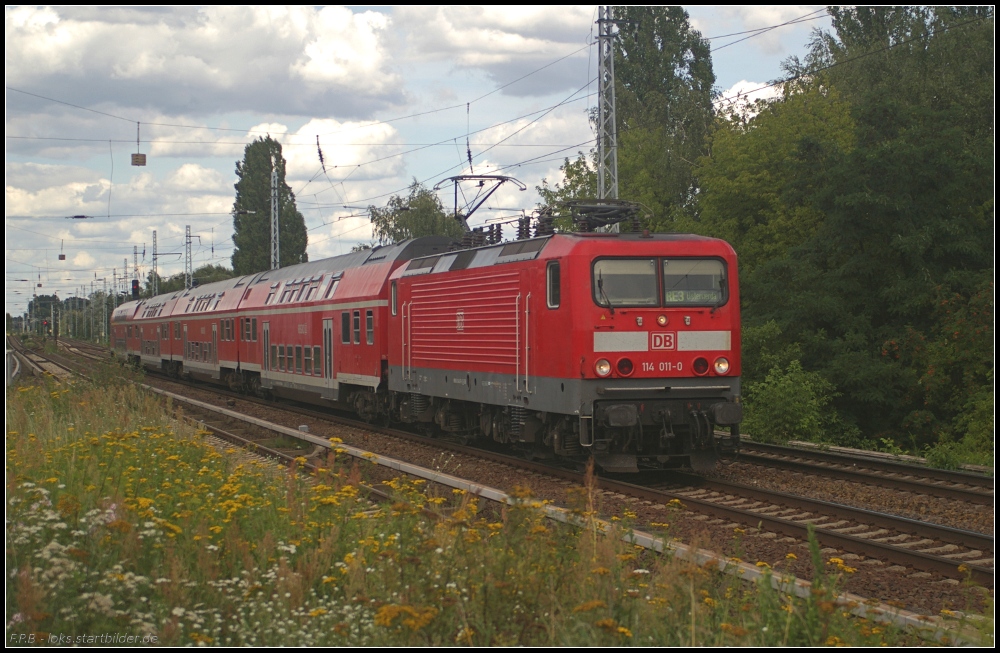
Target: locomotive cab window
[394, 297]
[626, 282]
[693, 282]
[552, 284]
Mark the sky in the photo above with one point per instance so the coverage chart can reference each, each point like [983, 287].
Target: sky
[390, 94]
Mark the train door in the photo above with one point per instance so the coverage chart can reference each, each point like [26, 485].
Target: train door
[184, 344]
[267, 360]
[329, 391]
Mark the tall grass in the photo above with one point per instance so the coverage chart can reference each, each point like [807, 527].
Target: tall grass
[122, 519]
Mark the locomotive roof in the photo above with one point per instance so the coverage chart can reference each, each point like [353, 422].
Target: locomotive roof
[528, 249]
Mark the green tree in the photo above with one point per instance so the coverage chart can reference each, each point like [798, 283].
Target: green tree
[199, 276]
[664, 79]
[420, 213]
[579, 181]
[757, 183]
[252, 211]
[904, 221]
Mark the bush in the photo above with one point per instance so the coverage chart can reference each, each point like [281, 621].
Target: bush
[789, 404]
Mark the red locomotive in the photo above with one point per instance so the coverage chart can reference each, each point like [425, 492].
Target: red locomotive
[624, 347]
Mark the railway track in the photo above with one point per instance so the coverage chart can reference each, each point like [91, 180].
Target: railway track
[948, 484]
[40, 363]
[890, 539]
[861, 534]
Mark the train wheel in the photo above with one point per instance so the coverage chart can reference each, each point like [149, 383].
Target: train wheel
[253, 386]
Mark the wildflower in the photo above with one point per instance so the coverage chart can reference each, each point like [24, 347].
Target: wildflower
[590, 605]
[624, 632]
[763, 565]
[600, 571]
[733, 630]
[317, 612]
[710, 602]
[607, 624]
[791, 556]
[464, 636]
[336, 441]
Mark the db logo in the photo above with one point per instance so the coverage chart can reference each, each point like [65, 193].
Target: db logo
[460, 320]
[662, 340]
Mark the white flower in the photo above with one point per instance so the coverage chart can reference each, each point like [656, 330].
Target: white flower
[177, 612]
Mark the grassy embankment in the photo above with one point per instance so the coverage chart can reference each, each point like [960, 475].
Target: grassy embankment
[122, 520]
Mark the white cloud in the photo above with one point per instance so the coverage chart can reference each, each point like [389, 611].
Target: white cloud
[504, 42]
[219, 58]
[192, 178]
[740, 18]
[742, 97]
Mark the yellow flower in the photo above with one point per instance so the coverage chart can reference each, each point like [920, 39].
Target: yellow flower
[590, 605]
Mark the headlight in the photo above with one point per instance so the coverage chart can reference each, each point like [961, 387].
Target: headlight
[625, 366]
[721, 365]
[661, 320]
[602, 367]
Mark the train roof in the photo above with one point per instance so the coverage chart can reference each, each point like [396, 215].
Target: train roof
[230, 293]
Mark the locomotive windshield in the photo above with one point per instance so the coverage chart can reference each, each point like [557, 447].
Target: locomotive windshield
[693, 281]
[625, 282]
[638, 282]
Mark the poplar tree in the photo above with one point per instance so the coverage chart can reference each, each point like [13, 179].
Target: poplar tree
[252, 211]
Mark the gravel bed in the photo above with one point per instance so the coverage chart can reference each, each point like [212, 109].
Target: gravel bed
[922, 507]
[919, 592]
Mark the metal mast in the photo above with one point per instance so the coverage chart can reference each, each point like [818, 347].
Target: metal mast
[187, 256]
[156, 289]
[275, 256]
[607, 137]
